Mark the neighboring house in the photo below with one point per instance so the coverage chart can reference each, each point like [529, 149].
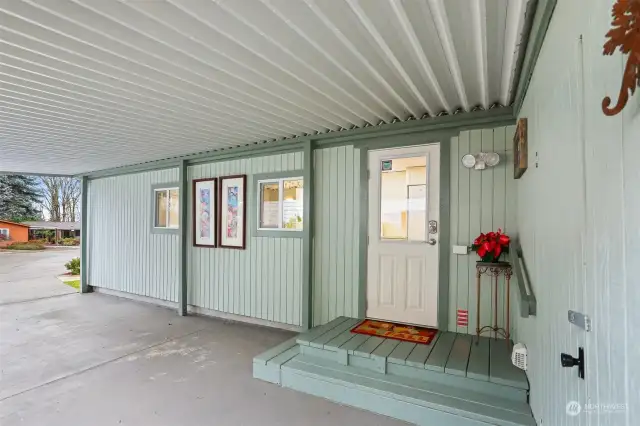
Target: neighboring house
[11, 232]
[350, 121]
[62, 229]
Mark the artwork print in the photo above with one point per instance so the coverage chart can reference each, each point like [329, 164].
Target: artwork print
[232, 212]
[204, 212]
[233, 205]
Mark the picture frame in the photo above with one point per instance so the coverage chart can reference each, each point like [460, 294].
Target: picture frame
[520, 149]
[232, 214]
[204, 212]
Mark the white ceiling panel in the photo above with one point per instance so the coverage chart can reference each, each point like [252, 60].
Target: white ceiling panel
[87, 85]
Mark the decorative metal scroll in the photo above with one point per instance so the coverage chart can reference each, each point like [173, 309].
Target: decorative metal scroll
[625, 36]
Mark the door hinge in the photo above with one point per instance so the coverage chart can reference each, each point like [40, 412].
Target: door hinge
[368, 174]
[367, 240]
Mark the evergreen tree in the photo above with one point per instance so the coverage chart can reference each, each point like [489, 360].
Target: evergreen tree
[19, 198]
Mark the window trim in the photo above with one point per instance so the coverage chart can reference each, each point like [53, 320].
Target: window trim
[154, 190]
[279, 177]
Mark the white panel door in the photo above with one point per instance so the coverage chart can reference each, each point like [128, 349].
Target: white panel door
[404, 206]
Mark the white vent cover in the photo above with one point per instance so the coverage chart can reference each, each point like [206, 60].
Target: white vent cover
[519, 356]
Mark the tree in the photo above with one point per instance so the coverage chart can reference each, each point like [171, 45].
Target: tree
[19, 198]
[60, 198]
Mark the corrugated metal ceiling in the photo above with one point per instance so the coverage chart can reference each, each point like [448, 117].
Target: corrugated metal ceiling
[92, 84]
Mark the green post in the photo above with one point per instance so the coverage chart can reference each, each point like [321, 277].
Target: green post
[182, 285]
[84, 236]
[307, 270]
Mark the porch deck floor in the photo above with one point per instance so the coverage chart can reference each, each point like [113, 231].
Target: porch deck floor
[485, 359]
[456, 379]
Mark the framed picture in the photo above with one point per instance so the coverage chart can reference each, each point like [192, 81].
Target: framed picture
[520, 147]
[233, 211]
[205, 209]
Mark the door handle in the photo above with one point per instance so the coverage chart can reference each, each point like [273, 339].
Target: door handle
[432, 241]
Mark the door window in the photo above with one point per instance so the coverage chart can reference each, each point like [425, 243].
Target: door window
[403, 199]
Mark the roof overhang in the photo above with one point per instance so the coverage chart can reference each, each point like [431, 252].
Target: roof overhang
[88, 85]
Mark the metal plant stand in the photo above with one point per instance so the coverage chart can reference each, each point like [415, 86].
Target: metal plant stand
[494, 270]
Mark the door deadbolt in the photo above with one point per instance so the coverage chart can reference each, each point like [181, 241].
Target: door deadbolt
[433, 227]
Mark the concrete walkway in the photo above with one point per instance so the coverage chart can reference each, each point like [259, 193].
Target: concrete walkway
[101, 360]
[29, 275]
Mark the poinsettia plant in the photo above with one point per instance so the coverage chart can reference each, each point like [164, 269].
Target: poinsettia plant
[491, 245]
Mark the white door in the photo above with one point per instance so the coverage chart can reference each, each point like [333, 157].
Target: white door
[404, 209]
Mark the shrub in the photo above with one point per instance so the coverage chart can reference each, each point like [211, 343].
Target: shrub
[73, 266]
[3, 237]
[42, 241]
[71, 241]
[25, 246]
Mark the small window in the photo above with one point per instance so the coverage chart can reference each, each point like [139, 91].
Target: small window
[167, 213]
[280, 204]
[4, 234]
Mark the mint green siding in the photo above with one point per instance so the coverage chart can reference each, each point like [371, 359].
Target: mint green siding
[265, 280]
[123, 253]
[335, 270]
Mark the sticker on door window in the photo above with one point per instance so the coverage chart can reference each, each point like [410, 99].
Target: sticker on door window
[387, 166]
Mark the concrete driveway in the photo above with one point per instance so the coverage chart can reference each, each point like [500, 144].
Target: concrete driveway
[96, 360]
[26, 275]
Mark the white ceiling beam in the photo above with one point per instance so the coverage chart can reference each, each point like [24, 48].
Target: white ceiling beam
[479, 13]
[377, 114]
[36, 73]
[87, 35]
[513, 33]
[425, 66]
[439, 16]
[356, 116]
[328, 114]
[370, 27]
[173, 38]
[363, 60]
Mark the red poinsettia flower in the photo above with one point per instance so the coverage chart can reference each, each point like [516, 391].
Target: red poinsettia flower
[491, 245]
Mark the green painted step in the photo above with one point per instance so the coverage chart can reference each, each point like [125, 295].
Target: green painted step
[407, 399]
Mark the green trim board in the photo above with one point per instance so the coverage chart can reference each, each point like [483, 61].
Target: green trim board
[183, 233]
[308, 198]
[453, 123]
[84, 237]
[539, 25]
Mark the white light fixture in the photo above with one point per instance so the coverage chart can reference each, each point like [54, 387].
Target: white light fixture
[481, 160]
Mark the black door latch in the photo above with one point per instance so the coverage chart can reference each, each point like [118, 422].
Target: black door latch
[569, 361]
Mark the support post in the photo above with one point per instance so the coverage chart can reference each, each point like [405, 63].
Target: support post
[84, 237]
[307, 235]
[183, 196]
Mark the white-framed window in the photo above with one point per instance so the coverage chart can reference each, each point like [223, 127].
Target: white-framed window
[4, 233]
[166, 208]
[280, 205]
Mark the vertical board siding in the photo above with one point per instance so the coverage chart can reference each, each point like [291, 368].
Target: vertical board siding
[335, 287]
[123, 253]
[578, 219]
[265, 280]
[481, 201]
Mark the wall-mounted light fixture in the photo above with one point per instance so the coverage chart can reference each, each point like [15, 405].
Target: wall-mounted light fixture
[480, 161]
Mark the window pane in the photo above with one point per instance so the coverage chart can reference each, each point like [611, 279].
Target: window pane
[403, 198]
[292, 204]
[161, 209]
[174, 209]
[269, 210]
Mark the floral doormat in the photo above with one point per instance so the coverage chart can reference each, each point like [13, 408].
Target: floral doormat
[408, 333]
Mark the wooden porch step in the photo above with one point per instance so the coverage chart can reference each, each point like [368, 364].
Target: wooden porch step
[408, 399]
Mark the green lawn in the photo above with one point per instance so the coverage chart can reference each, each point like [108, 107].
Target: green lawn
[75, 284]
